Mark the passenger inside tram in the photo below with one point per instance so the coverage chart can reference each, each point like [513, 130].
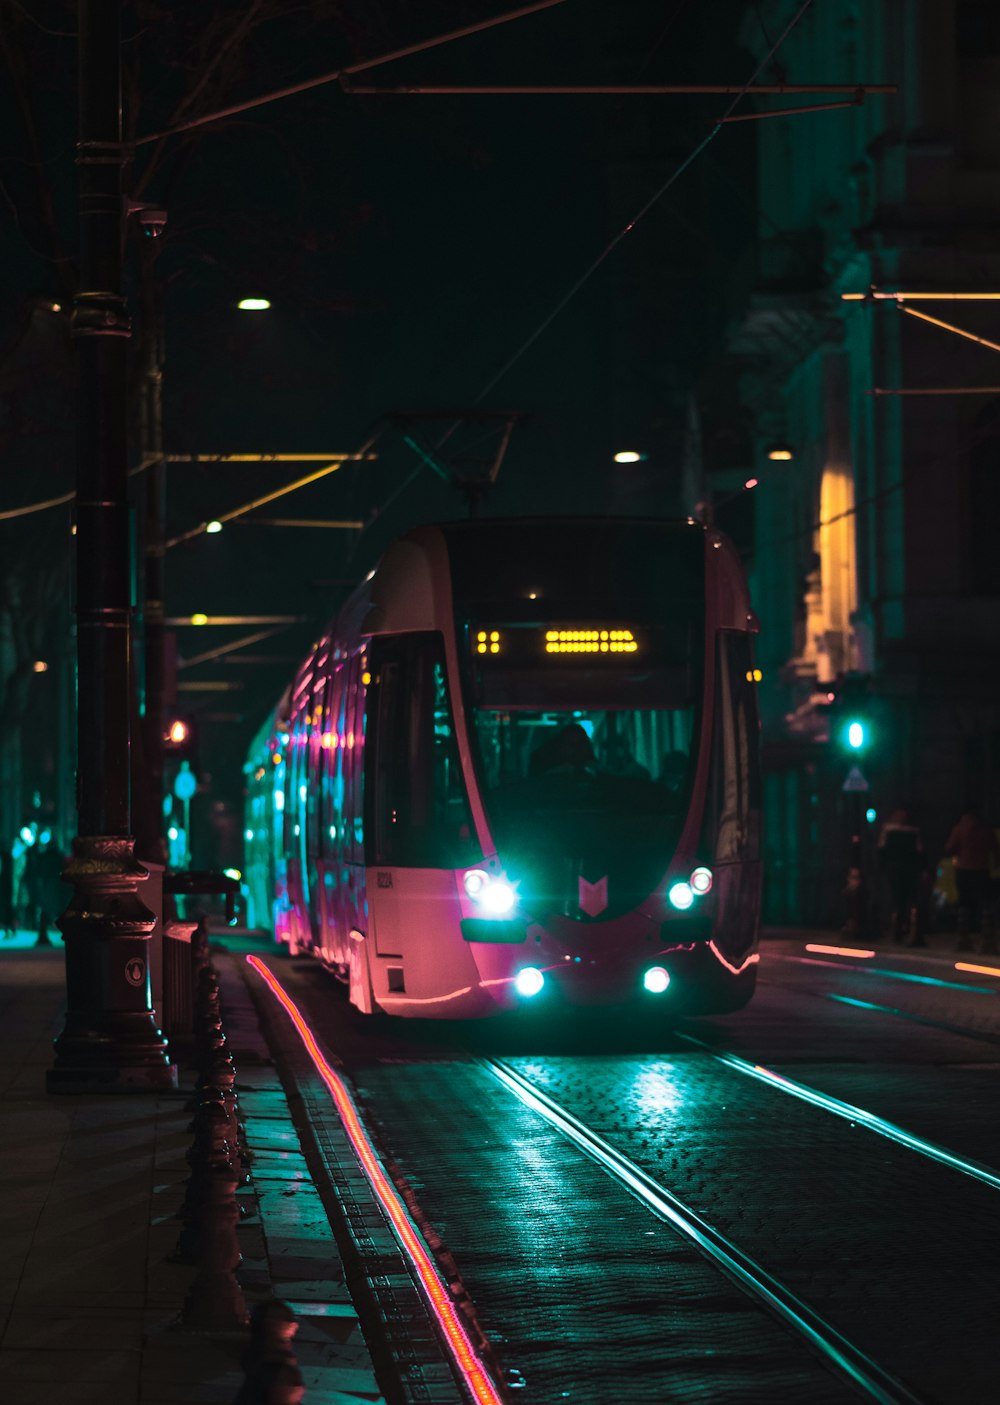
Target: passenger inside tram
[571, 792]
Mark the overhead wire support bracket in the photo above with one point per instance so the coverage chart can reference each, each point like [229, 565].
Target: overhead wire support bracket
[340, 73]
[948, 327]
[859, 90]
[856, 101]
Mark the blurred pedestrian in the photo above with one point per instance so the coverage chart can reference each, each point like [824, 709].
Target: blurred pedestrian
[6, 890]
[902, 860]
[973, 847]
[43, 866]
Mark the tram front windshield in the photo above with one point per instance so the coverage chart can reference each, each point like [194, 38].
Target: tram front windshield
[590, 786]
[583, 666]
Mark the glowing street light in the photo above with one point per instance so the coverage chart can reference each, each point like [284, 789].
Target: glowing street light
[629, 456]
[780, 453]
[254, 304]
[213, 527]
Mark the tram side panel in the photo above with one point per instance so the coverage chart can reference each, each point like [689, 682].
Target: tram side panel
[419, 832]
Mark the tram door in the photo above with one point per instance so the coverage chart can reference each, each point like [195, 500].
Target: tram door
[418, 824]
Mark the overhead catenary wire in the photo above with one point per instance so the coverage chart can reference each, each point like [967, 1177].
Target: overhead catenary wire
[337, 74]
[657, 195]
[609, 248]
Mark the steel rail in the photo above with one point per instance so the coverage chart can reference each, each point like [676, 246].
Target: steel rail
[471, 1371]
[837, 1352]
[943, 1025]
[857, 1116]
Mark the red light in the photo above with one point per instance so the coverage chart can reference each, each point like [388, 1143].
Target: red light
[482, 1388]
[750, 483]
[750, 960]
[178, 732]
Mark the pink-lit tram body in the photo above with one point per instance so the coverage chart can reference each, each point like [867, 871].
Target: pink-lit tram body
[522, 766]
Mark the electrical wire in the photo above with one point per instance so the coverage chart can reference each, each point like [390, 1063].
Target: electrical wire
[609, 248]
[642, 212]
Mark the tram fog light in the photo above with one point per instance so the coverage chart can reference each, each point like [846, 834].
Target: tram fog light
[680, 896]
[656, 980]
[701, 881]
[529, 981]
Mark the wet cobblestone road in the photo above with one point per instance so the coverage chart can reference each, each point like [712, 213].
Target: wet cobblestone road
[587, 1296]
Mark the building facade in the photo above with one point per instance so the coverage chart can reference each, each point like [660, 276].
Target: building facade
[876, 554]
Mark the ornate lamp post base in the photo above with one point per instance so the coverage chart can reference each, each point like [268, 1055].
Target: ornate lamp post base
[110, 1042]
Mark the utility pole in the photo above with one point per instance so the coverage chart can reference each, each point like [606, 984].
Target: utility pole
[154, 640]
[110, 1041]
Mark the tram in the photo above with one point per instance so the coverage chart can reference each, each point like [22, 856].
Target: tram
[521, 766]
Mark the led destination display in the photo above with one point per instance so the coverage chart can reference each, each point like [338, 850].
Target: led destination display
[526, 643]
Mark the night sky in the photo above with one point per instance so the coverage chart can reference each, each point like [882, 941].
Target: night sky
[410, 245]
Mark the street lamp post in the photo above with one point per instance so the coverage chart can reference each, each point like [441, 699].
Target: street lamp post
[110, 1041]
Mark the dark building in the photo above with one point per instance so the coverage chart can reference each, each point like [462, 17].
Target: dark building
[876, 565]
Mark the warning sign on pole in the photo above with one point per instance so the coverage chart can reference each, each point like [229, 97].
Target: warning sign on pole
[855, 780]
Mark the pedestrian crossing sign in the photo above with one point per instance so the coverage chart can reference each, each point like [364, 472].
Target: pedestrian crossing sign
[855, 781]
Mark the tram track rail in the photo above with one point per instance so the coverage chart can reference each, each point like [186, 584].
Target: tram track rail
[843, 1357]
[893, 1011]
[850, 1112]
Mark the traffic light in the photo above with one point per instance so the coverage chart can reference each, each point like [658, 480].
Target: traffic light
[180, 740]
[851, 709]
[178, 733]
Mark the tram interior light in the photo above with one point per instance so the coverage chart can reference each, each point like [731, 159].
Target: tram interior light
[656, 980]
[529, 981]
[681, 896]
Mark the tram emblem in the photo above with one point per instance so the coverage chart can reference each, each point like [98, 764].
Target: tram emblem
[593, 896]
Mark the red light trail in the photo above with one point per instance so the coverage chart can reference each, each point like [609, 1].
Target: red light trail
[473, 1372]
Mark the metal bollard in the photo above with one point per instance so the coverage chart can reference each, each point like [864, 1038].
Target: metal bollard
[272, 1373]
[215, 1302]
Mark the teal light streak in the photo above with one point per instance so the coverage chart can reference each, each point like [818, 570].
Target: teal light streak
[840, 1353]
[916, 1019]
[928, 980]
[857, 1116]
[894, 975]
[865, 1004]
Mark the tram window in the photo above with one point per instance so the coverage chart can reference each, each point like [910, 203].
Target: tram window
[736, 773]
[420, 807]
[333, 780]
[313, 766]
[651, 744]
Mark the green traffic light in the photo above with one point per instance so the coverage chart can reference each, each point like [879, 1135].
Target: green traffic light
[855, 735]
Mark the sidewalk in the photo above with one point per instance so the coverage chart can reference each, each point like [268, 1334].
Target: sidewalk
[91, 1307]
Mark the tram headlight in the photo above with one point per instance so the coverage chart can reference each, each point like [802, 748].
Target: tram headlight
[498, 898]
[656, 980]
[528, 981]
[681, 896]
[701, 881]
[495, 896]
[476, 881]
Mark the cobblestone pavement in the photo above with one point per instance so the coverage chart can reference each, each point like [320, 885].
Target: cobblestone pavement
[572, 1280]
[92, 1310]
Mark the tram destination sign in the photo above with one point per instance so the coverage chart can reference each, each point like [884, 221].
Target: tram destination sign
[523, 644]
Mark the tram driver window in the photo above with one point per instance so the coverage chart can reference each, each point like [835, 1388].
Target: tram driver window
[420, 807]
[736, 775]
